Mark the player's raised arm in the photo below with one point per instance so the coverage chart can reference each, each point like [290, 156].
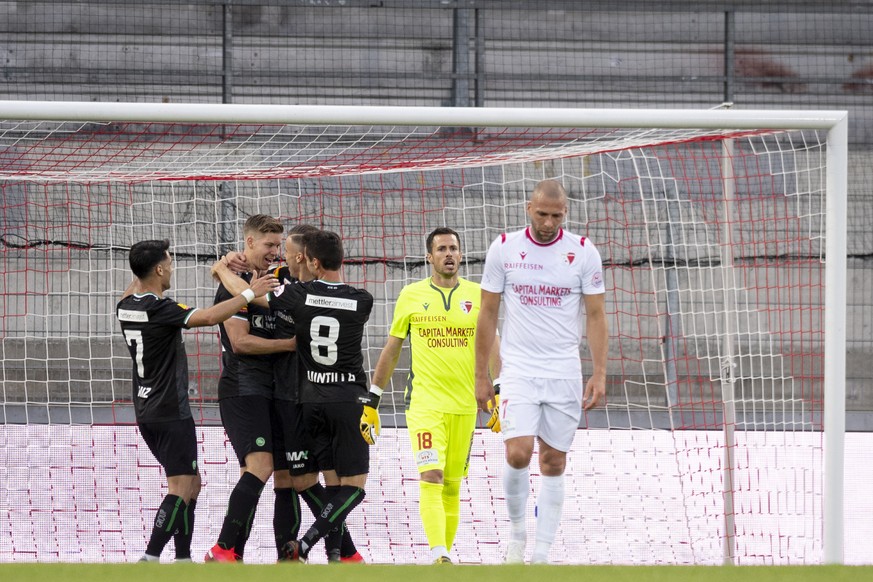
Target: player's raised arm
[234, 283]
[237, 262]
[226, 309]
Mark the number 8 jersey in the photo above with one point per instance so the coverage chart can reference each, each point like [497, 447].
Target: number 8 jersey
[329, 319]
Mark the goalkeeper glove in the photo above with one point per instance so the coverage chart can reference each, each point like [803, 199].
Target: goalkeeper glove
[494, 421]
[371, 426]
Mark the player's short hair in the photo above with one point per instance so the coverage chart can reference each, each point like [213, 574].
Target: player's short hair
[551, 189]
[298, 231]
[428, 244]
[326, 246]
[146, 255]
[262, 224]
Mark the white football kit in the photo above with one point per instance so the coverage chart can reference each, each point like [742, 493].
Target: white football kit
[542, 287]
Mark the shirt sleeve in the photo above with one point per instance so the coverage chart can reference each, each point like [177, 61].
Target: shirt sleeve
[279, 298]
[370, 302]
[400, 323]
[592, 271]
[168, 312]
[493, 277]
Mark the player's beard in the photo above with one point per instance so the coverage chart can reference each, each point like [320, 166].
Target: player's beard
[544, 237]
[448, 272]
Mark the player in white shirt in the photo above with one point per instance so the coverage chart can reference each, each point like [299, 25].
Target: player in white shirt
[544, 274]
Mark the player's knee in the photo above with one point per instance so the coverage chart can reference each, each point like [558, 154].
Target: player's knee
[196, 486]
[303, 482]
[260, 465]
[358, 481]
[282, 479]
[552, 463]
[518, 457]
[330, 478]
[519, 451]
[432, 476]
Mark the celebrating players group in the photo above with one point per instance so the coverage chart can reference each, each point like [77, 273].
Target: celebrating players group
[294, 397]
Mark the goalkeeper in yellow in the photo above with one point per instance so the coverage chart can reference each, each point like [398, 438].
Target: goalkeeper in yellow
[438, 315]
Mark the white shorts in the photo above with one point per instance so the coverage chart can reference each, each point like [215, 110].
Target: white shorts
[548, 408]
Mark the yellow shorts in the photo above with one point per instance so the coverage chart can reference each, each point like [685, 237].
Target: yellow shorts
[441, 441]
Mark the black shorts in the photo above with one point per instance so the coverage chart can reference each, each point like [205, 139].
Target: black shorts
[173, 443]
[291, 447]
[335, 438]
[247, 421]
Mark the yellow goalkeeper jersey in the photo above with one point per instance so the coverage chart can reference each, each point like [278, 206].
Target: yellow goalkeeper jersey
[441, 326]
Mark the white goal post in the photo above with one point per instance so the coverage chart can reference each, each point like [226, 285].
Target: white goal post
[724, 239]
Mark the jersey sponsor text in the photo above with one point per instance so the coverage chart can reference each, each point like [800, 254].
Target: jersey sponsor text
[427, 318]
[447, 331]
[132, 315]
[523, 266]
[332, 302]
[540, 295]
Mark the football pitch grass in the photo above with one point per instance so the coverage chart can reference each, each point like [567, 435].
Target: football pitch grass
[390, 573]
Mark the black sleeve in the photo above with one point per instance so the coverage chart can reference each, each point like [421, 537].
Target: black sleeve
[284, 297]
[222, 294]
[168, 312]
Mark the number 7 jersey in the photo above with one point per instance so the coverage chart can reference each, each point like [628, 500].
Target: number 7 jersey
[152, 328]
[329, 319]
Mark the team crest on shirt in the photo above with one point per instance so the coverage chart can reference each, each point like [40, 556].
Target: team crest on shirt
[597, 279]
[466, 306]
[569, 258]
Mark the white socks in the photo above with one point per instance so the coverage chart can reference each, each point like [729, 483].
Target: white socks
[550, 502]
[438, 552]
[516, 485]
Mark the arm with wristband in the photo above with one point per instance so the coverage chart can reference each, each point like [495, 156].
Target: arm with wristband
[226, 309]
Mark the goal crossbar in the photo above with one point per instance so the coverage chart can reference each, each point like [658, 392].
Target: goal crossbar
[432, 116]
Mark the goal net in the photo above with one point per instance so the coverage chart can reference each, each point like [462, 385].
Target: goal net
[720, 233]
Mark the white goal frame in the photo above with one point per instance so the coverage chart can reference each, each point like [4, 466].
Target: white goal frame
[834, 122]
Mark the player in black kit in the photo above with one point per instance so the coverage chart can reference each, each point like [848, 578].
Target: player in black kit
[152, 328]
[329, 317]
[291, 455]
[245, 396]
[303, 469]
